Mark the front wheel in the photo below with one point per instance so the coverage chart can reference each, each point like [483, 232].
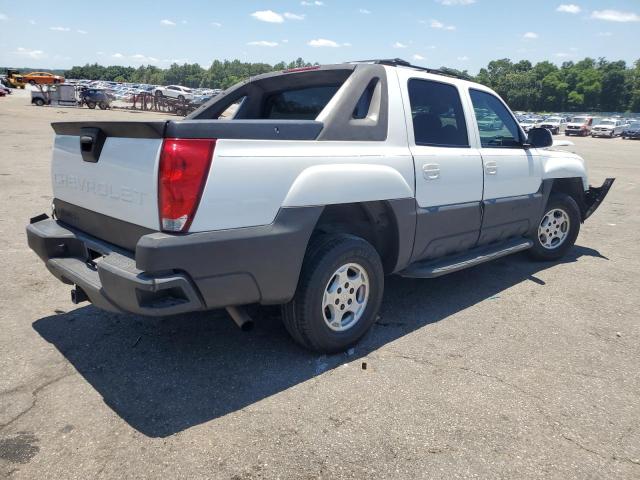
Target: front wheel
[558, 228]
[91, 105]
[103, 105]
[338, 294]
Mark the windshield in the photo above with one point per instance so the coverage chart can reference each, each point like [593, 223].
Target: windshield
[578, 119]
[607, 122]
[635, 125]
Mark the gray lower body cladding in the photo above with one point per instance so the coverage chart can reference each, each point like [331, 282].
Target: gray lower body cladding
[171, 274]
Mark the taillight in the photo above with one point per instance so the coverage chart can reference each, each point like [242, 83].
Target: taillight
[184, 167]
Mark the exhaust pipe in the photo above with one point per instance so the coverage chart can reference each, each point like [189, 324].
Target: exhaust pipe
[241, 317]
[78, 295]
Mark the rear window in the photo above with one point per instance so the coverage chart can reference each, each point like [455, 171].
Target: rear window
[301, 104]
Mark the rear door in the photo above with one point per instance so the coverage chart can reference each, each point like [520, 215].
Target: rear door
[512, 173]
[448, 170]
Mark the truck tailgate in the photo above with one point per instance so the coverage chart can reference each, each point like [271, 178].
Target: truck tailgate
[122, 182]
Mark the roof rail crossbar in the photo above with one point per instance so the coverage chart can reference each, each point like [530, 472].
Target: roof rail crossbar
[398, 62]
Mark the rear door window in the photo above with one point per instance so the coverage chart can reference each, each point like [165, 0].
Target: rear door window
[300, 104]
[438, 118]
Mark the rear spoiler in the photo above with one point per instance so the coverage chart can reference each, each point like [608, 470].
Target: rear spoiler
[219, 129]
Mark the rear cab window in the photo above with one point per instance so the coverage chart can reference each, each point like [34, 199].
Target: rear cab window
[300, 104]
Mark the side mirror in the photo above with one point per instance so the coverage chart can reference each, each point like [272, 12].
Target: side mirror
[540, 138]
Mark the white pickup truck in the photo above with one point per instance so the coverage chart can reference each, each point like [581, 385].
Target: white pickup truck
[323, 181]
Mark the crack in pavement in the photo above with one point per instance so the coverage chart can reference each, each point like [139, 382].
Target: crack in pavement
[34, 400]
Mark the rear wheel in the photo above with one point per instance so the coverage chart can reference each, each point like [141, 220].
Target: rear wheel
[91, 105]
[103, 105]
[558, 228]
[39, 102]
[338, 294]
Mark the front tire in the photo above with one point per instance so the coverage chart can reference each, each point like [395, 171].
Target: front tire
[338, 294]
[91, 105]
[558, 228]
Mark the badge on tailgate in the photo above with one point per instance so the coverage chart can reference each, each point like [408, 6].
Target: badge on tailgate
[91, 143]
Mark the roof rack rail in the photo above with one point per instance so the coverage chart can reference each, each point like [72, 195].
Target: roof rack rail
[398, 62]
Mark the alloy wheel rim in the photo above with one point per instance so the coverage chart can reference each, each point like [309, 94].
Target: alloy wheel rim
[553, 229]
[345, 297]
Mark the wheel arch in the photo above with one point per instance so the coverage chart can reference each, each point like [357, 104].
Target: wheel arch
[388, 225]
[572, 186]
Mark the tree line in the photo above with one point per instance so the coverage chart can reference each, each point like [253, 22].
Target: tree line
[583, 86]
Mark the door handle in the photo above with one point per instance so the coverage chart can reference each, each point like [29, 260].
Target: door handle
[431, 171]
[491, 168]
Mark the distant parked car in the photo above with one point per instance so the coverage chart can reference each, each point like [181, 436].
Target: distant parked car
[526, 123]
[608, 127]
[94, 96]
[174, 91]
[554, 124]
[5, 90]
[580, 126]
[632, 131]
[42, 78]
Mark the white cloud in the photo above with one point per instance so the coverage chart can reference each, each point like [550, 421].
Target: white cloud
[605, 34]
[569, 8]
[82, 32]
[562, 55]
[615, 16]
[268, 16]
[530, 36]
[365, 11]
[263, 43]
[292, 16]
[3, 17]
[26, 52]
[417, 56]
[184, 22]
[59, 29]
[167, 23]
[99, 53]
[452, 3]
[399, 45]
[216, 24]
[463, 58]
[323, 42]
[32, 22]
[139, 58]
[317, 3]
[117, 55]
[438, 25]
[346, 44]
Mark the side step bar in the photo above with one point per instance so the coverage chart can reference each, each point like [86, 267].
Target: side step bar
[476, 256]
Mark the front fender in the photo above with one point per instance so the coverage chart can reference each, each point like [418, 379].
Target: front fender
[335, 184]
[564, 165]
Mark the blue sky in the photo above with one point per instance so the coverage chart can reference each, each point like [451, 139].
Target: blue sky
[463, 34]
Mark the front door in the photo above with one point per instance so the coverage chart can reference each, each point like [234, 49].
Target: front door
[448, 170]
[512, 173]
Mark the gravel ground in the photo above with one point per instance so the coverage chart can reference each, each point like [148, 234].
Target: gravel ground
[509, 370]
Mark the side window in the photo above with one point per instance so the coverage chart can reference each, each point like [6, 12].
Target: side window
[438, 118]
[361, 109]
[497, 127]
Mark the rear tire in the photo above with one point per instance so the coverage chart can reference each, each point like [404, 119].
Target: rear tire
[91, 105]
[39, 102]
[558, 228]
[103, 105]
[338, 294]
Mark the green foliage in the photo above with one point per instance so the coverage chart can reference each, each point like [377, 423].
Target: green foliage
[587, 85]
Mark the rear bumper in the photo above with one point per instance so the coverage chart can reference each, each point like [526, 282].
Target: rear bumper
[172, 274]
[109, 275]
[594, 197]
